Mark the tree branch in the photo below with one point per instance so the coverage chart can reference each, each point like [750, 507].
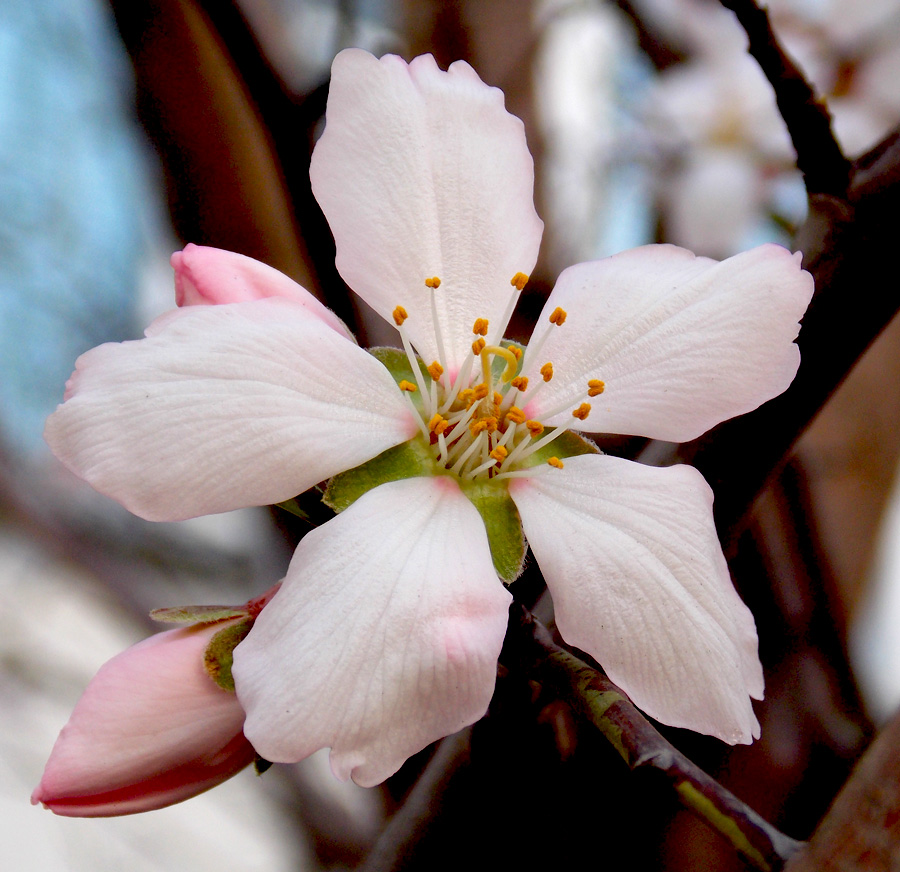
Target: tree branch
[593, 696]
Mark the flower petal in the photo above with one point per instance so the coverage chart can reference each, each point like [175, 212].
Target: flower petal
[151, 729]
[639, 582]
[384, 637]
[681, 342]
[423, 173]
[212, 276]
[223, 407]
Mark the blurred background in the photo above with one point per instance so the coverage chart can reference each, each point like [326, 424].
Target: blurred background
[130, 128]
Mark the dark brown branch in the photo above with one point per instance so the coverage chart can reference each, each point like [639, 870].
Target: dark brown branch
[819, 157]
[843, 240]
[530, 648]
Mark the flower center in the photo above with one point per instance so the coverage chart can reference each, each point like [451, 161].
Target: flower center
[474, 423]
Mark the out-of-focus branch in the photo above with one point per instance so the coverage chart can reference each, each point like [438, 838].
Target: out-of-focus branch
[861, 832]
[819, 157]
[394, 848]
[851, 223]
[530, 648]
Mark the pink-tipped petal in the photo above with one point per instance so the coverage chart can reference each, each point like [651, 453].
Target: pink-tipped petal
[423, 173]
[681, 342]
[639, 582]
[223, 407]
[213, 276]
[384, 636]
[150, 730]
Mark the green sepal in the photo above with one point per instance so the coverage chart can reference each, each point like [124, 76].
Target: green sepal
[411, 459]
[293, 507]
[197, 614]
[397, 363]
[568, 445]
[219, 654]
[502, 524]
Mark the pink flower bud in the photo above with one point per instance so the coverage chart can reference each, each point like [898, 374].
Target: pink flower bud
[213, 276]
[151, 729]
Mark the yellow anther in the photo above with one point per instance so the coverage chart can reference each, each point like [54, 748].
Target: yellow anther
[499, 454]
[407, 386]
[558, 316]
[466, 395]
[480, 391]
[492, 424]
[438, 424]
[433, 282]
[547, 371]
[399, 315]
[582, 411]
[478, 426]
[498, 398]
[535, 427]
[519, 280]
[512, 362]
[596, 387]
[517, 352]
[477, 346]
[480, 327]
[555, 461]
[520, 382]
[435, 370]
[515, 414]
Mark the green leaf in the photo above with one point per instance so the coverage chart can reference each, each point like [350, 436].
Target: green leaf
[197, 614]
[502, 523]
[220, 652]
[408, 460]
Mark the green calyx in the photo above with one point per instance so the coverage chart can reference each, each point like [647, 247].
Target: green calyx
[219, 654]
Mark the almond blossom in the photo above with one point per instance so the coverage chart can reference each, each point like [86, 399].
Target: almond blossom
[386, 632]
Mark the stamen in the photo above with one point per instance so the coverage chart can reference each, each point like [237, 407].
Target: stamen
[582, 411]
[480, 391]
[434, 283]
[535, 427]
[466, 395]
[516, 415]
[414, 363]
[476, 444]
[520, 383]
[404, 385]
[417, 415]
[478, 346]
[480, 328]
[400, 315]
[519, 280]
[438, 424]
[596, 387]
[558, 316]
[435, 370]
[555, 461]
[499, 453]
[547, 371]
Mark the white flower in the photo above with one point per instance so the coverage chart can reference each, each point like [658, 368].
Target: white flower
[386, 632]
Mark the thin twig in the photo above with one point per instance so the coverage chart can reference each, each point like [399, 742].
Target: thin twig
[639, 744]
